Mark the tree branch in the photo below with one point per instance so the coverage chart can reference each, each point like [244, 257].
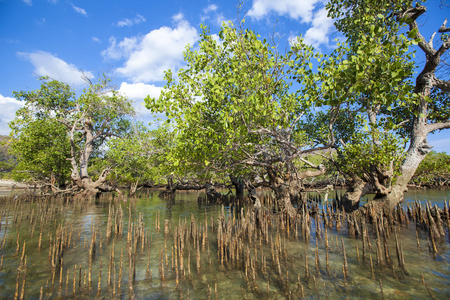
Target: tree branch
[308, 163]
[444, 85]
[443, 27]
[437, 126]
[413, 13]
[102, 178]
[444, 47]
[309, 173]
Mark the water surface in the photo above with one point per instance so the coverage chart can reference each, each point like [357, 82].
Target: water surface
[254, 276]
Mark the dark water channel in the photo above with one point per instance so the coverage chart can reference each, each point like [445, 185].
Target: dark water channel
[149, 248]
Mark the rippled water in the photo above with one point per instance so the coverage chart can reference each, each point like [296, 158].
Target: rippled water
[212, 279]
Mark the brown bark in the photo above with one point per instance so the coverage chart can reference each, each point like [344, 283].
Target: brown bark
[94, 188]
[80, 175]
[172, 187]
[133, 188]
[254, 197]
[282, 192]
[211, 192]
[238, 184]
[350, 200]
[421, 126]
[170, 190]
[288, 185]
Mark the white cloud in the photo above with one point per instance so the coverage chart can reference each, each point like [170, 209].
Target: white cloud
[130, 22]
[318, 34]
[79, 10]
[210, 8]
[121, 50]
[140, 90]
[178, 17]
[137, 92]
[54, 67]
[296, 9]
[28, 2]
[219, 19]
[148, 56]
[211, 13]
[9, 106]
[292, 39]
[216, 38]
[96, 39]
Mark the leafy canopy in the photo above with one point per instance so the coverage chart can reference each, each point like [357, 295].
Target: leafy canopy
[39, 142]
[233, 107]
[56, 131]
[141, 154]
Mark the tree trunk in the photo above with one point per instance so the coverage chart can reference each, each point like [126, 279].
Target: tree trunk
[284, 199]
[295, 191]
[93, 188]
[425, 81]
[416, 153]
[282, 192]
[238, 185]
[211, 192]
[88, 148]
[133, 188]
[350, 200]
[79, 173]
[89, 187]
[170, 190]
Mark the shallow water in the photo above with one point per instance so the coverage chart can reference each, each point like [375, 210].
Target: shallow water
[435, 196]
[208, 276]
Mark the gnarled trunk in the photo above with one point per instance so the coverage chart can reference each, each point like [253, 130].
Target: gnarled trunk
[416, 153]
[93, 188]
[282, 192]
[170, 190]
[287, 185]
[133, 188]
[80, 174]
[283, 196]
[238, 184]
[254, 197]
[350, 200]
[172, 187]
[421, 126]
[211, 192]
[395, 195]
[391, 196]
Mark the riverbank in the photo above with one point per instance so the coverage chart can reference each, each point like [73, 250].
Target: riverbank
[11, 184]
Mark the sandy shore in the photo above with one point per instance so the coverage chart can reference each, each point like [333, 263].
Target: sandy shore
[11, 184]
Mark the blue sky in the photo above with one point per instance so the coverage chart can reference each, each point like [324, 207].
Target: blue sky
[136, 41]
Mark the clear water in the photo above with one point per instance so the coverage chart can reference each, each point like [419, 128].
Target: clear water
[213, 279]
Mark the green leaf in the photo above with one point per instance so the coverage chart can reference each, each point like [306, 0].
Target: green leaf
[413, 33]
